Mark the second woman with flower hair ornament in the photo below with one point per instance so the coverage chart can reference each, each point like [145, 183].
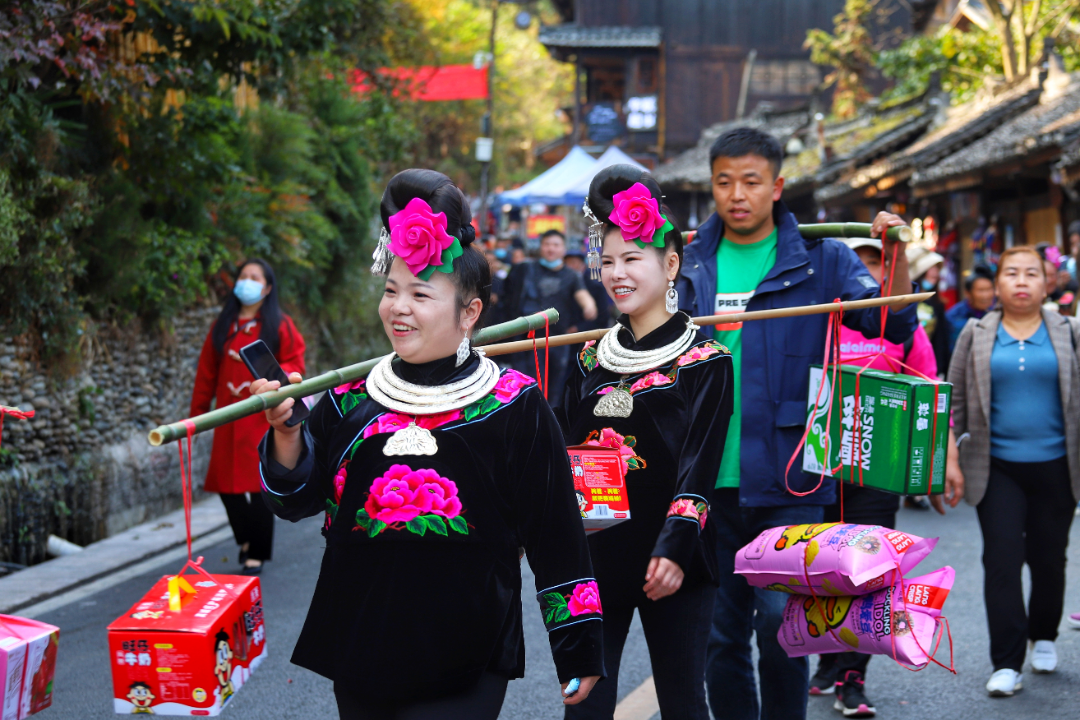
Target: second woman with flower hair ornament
[431, 473]
[660, 392]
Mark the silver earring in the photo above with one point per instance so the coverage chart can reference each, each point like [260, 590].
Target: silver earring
[382, 255]
[671, 301]
[592, 257]
[463, 351]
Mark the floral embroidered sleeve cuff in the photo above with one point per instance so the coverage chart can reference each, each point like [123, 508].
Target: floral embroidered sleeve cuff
[686, 518]
[570, 603]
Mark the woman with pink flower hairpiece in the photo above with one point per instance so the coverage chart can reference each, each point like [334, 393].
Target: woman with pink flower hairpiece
[431, 473]
[660, 392]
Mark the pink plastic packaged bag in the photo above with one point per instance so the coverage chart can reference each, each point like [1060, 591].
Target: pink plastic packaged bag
[880, 623]
[831, 558]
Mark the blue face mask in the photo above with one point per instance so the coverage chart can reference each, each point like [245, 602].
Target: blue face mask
[248, 292]
[502, 253]
[928, 285]
[550, 264]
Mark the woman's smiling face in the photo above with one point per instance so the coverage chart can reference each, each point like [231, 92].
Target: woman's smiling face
[636, 278]
[423, 319]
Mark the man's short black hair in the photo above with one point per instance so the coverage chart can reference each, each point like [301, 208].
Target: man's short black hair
[744, 141]
[549, 233]
[978, 272]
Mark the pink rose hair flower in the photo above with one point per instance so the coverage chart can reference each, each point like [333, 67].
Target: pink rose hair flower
[585, 599]
[653, 379]
[418, 236]
[510, 385]
[637, 213]
[698, 353]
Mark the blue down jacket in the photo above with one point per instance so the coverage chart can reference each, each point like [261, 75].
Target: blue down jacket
[777, 354]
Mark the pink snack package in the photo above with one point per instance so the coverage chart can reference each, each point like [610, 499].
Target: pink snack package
[871, 624]
[834, 558]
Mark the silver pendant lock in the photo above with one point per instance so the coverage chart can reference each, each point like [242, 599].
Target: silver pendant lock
[618, 403]
[411, 440]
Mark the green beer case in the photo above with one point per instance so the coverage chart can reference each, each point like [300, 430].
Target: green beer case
[894, 440]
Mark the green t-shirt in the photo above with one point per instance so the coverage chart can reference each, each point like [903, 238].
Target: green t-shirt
[739, 270]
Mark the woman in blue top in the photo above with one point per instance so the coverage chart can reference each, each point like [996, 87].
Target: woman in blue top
[1016, 405]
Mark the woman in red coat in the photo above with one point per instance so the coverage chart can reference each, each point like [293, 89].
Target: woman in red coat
[251, 313]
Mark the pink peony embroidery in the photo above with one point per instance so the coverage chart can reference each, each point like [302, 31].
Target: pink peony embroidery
[443, 491]
[698, 353]
[510, 385]
[387, 423]
[348, 387]
[418, 236]
[688, 508]
[585, 599]
[637, 213]
[339, 484]
[605, 390]
[433, 421]
[653, 379]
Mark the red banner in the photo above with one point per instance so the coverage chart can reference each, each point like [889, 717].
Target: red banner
[429, 83]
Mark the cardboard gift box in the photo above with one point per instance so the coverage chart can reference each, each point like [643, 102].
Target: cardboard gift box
[27, 666]
[893, 440]
[600, 484]
[189, 651]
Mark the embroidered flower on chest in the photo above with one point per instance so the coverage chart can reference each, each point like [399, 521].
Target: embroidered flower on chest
[695, 354]
[510, 385]
[415, 500]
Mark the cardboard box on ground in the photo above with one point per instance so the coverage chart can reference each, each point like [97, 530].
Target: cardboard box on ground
[894, 439]
[600, 485]
[27, 666]
[188, 657]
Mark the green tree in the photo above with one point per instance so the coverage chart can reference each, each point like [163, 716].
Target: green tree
[1021, 24]
[850, 51]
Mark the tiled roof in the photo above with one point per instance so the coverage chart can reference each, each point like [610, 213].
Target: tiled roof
[1053, 122]
[963, 124]
[571, 35]
[691, 168]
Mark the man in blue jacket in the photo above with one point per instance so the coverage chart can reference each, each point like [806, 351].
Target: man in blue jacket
[750, 256]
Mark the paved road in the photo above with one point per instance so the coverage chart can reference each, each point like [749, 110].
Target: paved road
[281, 690]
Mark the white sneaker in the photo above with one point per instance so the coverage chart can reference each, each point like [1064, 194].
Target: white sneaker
[1004, 683]
[1043, 656]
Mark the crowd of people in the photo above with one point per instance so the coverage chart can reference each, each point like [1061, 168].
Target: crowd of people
[440, 471]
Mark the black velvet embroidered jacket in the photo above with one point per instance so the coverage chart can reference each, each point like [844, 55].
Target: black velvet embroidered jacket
[420, 587]
[671, 446]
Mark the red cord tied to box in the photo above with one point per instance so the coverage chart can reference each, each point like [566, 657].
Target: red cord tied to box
[178, 585]
[536, 356]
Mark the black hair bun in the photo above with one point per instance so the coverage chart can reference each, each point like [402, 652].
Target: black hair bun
[467, 235]
[436, 190]
[615, 179]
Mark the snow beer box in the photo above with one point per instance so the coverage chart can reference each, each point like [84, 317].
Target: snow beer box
[600, 486]
[27, 666]
[190, 656]
[891, 438]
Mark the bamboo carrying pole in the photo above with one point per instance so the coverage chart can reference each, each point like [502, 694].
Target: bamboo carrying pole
[333, 378]
[328, 380]
[580, 337]
[817, 231]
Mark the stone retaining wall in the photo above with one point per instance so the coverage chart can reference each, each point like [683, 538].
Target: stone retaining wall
[82, 467]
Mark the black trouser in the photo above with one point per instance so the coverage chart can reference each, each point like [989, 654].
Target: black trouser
[1025, 517]
[863, 506]
[677, 632]
[252, 522]
[481, 702]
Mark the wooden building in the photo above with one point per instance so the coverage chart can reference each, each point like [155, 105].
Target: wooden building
[653, 74]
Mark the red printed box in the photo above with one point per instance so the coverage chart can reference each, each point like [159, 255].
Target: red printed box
[188, 657]
[27, 666]
[600, 485]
